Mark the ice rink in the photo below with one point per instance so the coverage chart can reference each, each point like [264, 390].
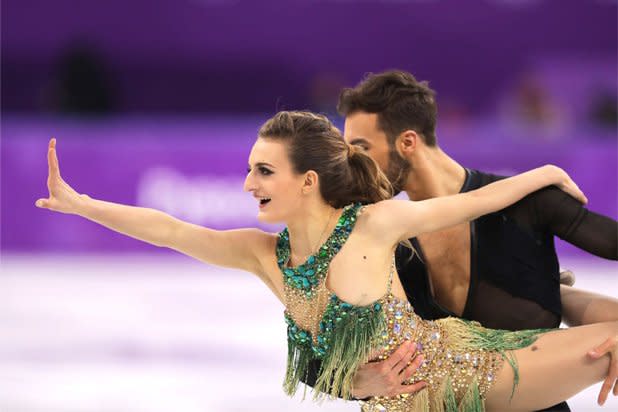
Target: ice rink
[137, 333]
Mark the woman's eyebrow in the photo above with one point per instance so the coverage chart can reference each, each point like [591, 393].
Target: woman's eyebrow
[258, 164]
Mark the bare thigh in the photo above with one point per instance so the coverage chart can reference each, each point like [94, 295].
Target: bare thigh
[552, 369]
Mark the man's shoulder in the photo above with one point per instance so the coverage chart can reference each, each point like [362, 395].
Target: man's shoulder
[480, 178]
[542, 196]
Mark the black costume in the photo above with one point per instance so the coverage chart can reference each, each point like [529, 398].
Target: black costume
[514, 273]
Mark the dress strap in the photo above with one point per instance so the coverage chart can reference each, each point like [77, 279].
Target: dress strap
[307, 277]
[390, 276]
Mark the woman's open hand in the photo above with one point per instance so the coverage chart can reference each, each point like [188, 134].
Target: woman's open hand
[62, 198]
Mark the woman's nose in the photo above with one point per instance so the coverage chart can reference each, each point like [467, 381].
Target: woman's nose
[249, 184]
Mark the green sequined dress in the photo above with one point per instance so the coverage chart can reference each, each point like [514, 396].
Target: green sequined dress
[461, 358]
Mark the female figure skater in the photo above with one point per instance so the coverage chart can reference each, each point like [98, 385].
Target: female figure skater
[332, 268]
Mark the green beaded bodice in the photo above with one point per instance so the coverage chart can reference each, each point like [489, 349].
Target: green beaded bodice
[307, 276]
[319, 324]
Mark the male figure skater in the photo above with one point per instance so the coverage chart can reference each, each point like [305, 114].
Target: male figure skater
[501, 269]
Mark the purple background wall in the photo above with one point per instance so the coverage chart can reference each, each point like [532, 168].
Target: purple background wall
[242, 55]
[199, 176]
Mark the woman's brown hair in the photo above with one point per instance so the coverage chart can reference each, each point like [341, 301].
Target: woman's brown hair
[346, 173]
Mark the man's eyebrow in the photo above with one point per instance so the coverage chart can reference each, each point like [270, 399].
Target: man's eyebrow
[360, 141]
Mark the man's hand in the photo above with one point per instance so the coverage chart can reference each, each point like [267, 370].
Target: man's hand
[610, 346]
[385, 378]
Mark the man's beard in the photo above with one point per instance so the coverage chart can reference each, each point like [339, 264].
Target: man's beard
[397, 171]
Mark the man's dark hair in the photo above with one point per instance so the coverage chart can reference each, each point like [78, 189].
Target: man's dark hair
[400, 101]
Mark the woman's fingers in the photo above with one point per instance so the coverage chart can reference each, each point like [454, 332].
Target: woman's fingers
[53, 175]
[52, 160]
[49, 203]
[568, 185]
[571, 188]
[42, 203]
[579, 195]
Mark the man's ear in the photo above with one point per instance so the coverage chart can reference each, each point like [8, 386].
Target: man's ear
[407, 142]
[310, 183]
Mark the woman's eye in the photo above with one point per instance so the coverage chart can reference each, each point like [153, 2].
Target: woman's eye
[265, 171]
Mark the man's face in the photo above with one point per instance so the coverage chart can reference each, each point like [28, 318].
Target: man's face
[361, 129]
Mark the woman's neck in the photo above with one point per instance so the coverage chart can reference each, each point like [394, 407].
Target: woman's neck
[309, 229]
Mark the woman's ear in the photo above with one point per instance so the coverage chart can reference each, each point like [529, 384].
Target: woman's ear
[311, 182]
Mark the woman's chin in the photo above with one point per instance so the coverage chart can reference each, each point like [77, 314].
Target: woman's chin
[265, 217]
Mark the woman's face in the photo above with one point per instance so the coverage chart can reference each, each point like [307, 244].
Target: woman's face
[272, 181]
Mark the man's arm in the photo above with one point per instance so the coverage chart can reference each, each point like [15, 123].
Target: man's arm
[565, 217]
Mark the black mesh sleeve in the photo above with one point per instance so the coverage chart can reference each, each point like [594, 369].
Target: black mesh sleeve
[571, 221]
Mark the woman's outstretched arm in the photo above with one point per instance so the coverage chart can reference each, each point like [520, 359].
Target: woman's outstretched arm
[406, 219]
[240, 249]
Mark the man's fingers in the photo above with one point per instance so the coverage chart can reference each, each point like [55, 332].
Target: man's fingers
[603, 348]
[610, 381]
[407, 357]
[409, 371]
[396, 356]
[607, 385]
[612, 376]
[374, 355]
[410, 388]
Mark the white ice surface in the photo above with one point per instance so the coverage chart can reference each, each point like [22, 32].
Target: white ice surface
[151, 333]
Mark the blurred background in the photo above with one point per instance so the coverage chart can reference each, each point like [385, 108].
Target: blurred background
[157, 104]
